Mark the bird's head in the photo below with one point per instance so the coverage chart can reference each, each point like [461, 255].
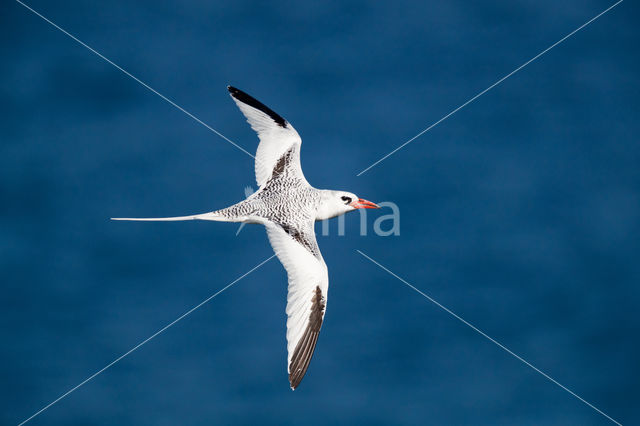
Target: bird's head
[336, 203]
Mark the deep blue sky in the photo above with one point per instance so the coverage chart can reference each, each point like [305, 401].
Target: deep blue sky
[521, 212]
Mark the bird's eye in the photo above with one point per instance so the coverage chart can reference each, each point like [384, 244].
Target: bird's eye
[346, 200]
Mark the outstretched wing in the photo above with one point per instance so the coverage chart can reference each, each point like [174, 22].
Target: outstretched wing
[276, 135]
[307, 294]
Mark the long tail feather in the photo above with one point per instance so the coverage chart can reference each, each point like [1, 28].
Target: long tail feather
[203, 216]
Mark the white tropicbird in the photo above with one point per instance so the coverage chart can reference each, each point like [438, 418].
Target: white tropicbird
[287, 206]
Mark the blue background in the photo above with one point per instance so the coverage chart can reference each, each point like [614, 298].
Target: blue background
[520, 212]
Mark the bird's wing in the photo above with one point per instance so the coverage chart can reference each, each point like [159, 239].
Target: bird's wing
[277, 136]
[307, 294]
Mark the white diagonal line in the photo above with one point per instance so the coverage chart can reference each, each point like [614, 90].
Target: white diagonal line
[136, 79]
[144, 341]
[482, 333]
[491, 87]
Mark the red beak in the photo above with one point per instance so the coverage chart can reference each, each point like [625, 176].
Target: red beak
[364, 204]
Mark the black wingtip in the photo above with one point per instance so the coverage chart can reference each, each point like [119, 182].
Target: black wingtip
[307, 344]
[253, 102]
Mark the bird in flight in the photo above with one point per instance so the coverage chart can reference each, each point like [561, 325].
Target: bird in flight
[287, 206]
